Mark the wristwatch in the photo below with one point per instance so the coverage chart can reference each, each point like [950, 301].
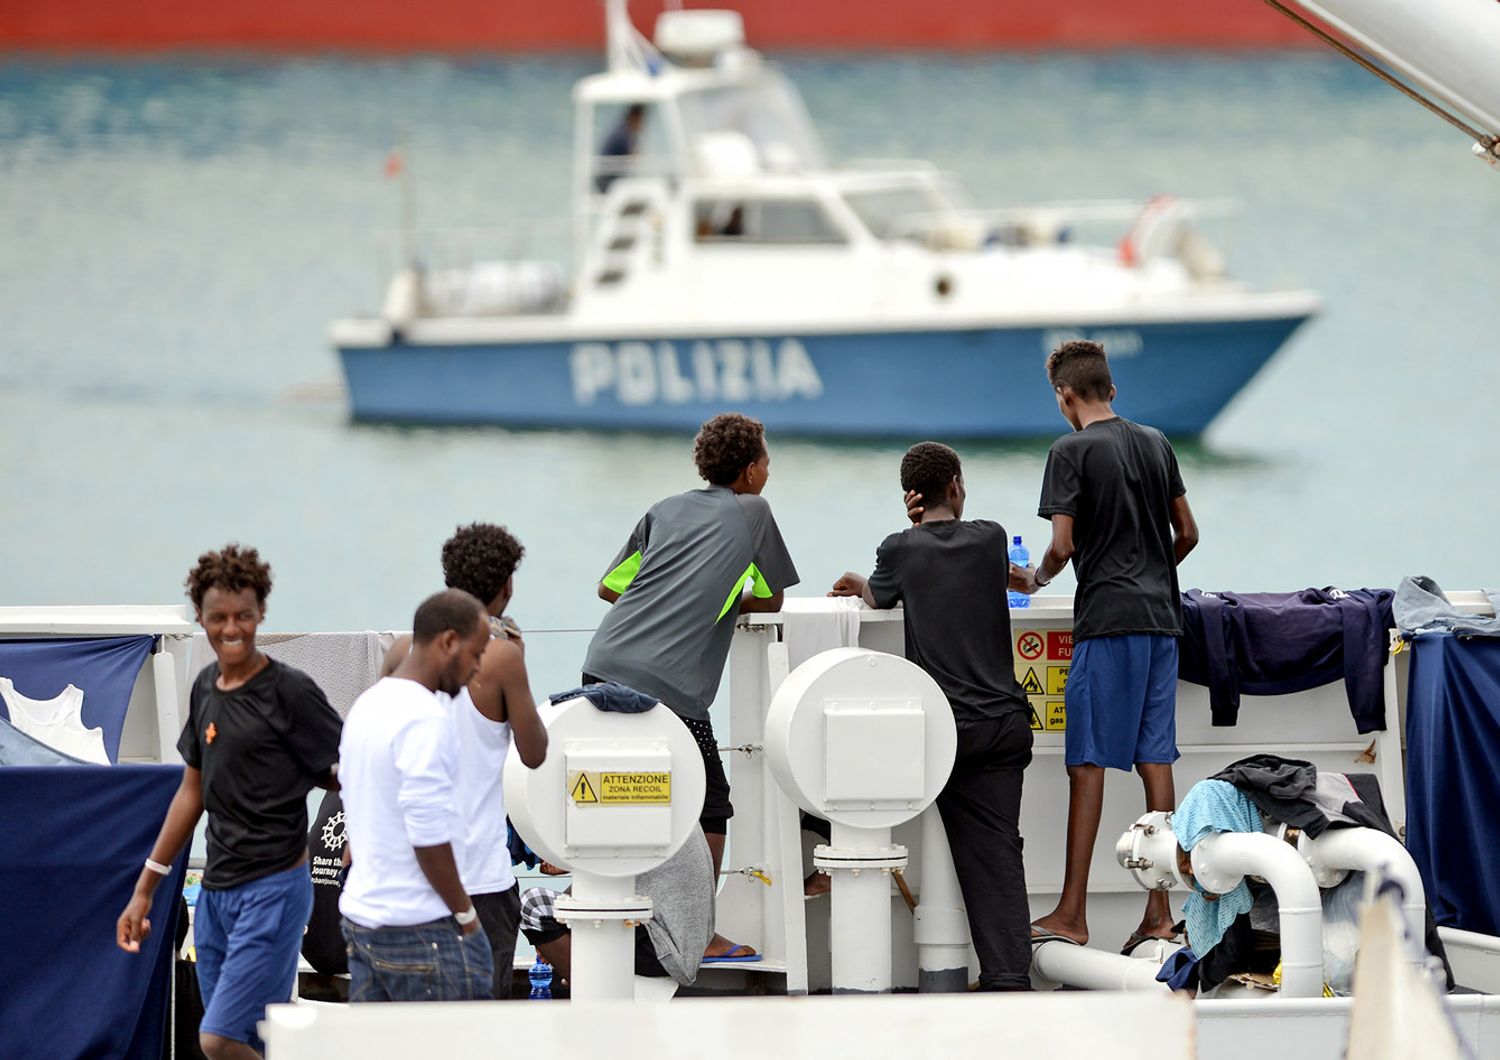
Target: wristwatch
[467, 917]
[1038, 579]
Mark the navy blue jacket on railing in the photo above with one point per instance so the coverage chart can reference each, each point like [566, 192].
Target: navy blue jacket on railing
[1270, 644]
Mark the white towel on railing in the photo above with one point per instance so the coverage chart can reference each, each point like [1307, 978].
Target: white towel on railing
[832, 623]
[342, 664]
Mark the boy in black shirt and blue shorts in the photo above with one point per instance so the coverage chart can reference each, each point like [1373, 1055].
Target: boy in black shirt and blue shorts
[1114, 495]
[259, 736]
[951, 576]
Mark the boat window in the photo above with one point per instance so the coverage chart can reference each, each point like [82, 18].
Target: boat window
[766, 112]
[781, 221]
[632, 142]
[892, 212]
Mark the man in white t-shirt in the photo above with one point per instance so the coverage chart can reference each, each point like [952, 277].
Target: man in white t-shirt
[492, 710]
[413, 934]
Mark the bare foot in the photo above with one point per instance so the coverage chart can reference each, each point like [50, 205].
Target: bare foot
[816, 885]
[1057, 925]
[719, 946]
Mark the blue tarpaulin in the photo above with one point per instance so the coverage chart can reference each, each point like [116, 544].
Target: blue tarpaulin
[71, 845]
[1452, 784]
[105, 668]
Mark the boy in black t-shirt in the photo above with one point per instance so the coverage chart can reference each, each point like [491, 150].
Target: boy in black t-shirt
[260, 735]
[951, 575]
[1118, 509]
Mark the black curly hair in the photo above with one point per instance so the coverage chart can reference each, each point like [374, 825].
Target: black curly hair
[726, 445]
[1082, 365]
[232, 568]
[928, 467]
[479, 559]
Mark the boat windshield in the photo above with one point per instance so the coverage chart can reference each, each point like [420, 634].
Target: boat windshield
[890, 213]
[765, 115]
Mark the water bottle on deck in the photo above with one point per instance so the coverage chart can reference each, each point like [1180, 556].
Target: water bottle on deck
[541, 980]
[1020, 555]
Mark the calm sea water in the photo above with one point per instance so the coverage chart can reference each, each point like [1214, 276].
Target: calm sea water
[177, 233]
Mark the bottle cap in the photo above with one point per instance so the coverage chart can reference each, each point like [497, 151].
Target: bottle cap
[1016, 539]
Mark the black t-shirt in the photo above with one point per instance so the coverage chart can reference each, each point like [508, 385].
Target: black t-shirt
[951, 577]
[1117, 479]
[261, 748]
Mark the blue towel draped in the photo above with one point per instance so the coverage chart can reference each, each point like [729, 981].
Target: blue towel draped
[1213, 806]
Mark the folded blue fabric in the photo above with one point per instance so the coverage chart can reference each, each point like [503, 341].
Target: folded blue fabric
[610, 695]
[1180, 970]
[1213, 806]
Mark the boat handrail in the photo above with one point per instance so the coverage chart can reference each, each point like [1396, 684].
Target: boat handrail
[883, 165]
[1075, 212]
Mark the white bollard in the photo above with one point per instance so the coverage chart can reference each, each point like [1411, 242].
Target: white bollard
[860, 861]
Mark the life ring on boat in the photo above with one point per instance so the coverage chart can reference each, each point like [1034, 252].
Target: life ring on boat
[1159, 220]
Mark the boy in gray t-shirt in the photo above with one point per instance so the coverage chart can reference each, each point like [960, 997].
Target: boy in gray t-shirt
[677, 587]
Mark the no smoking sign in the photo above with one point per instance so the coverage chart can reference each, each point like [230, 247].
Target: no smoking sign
[1030, 645]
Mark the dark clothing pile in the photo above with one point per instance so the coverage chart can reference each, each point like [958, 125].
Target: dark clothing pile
[1268, 644]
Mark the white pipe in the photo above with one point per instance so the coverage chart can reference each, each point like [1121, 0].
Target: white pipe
[860, 917]
[1063, 962]
[942, 925]
[1222, 860]
[603, 949]
[1371, 851]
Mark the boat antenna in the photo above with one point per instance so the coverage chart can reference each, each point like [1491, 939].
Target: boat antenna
[398, 168]
[625, 48]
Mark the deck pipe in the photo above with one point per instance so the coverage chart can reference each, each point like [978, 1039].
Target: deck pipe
[1221, 861]
[942, 924]
[860, 860]
[1382, 857]
[601, 914]
[1073, 965]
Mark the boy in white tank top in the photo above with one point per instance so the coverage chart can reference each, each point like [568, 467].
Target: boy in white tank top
[495, 708]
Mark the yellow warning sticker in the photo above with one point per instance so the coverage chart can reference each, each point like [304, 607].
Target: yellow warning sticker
[1057, 715]
[599, 788]
[1057, 680]
[1036, 722]
[1031, 683]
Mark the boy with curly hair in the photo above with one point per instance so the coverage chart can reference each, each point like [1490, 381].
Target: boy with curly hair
[259, 736]
[494, 709]
[950, 574]
[677, 587]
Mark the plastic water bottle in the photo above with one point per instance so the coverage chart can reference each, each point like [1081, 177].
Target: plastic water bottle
[541, 980]
[1020, 555]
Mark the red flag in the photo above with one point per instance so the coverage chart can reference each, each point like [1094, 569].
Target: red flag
[393, 164]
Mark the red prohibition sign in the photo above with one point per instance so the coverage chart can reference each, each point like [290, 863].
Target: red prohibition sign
[1031, 645]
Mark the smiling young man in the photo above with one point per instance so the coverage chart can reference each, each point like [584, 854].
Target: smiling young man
[260, 735]
[413, 933]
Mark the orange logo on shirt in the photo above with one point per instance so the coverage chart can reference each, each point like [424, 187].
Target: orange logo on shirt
[210, 733]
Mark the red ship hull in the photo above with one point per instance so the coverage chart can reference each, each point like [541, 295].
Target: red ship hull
[578, 25]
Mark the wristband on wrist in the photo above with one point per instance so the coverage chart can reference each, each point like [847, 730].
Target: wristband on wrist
[158, 868]
[467, 917]
[1040, 584]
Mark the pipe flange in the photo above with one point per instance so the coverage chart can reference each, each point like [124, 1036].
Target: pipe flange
[637, 907]
[830, 858]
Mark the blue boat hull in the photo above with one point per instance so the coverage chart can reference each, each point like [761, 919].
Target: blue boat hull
[961, 383]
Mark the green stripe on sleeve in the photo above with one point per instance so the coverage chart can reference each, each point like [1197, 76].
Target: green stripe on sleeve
[619, 579]
[758, 587]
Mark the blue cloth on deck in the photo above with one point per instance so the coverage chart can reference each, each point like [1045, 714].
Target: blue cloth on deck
[1210, 807]
[610, 695]
[74, 843]
[1452, 785]
[105, 668]
[18, 749]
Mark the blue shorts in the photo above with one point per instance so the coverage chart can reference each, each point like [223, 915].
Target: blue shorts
[1122, 702]
[247, 939]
